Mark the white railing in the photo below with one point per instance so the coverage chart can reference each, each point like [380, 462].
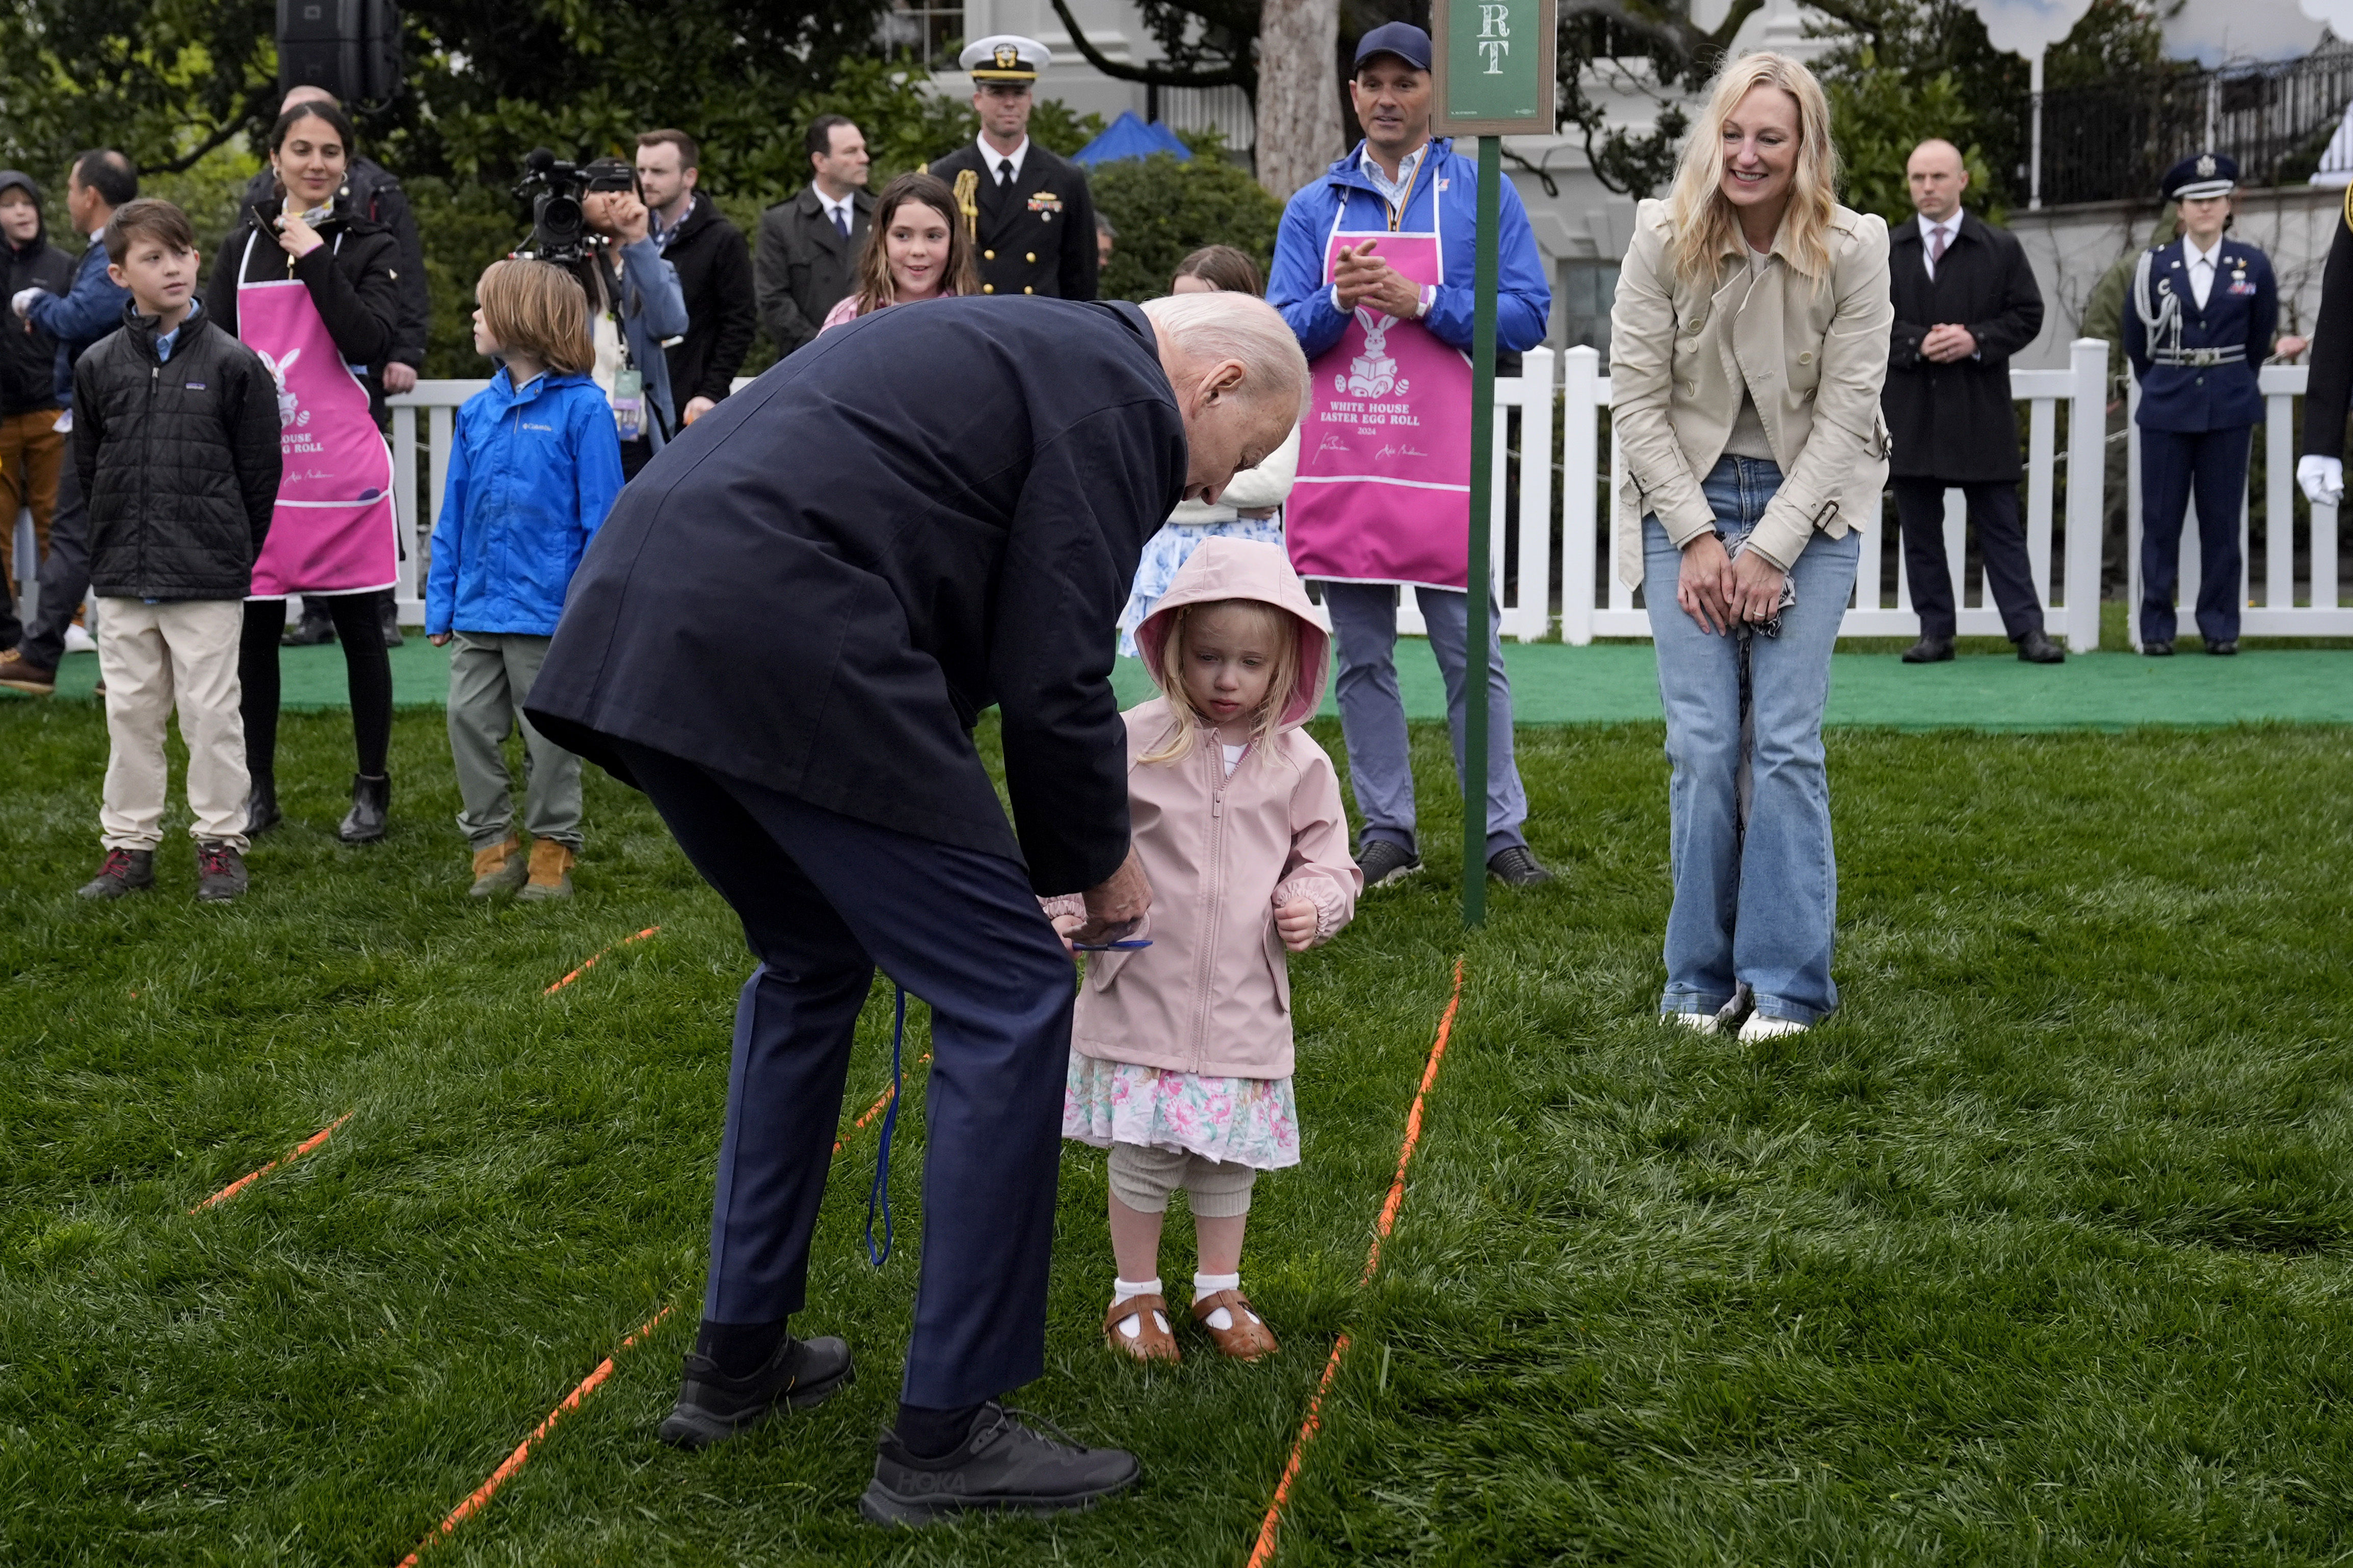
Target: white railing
[1594, 603]
[2277, 614]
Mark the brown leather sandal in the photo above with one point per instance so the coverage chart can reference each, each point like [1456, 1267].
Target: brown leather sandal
[1248, 1339]
[1152, 1342]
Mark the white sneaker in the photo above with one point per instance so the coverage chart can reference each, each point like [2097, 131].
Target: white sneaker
[80, 641]
[1760, 1027]
[1697, 1023]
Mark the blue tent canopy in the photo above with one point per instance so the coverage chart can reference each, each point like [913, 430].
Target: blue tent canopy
[1128, 137]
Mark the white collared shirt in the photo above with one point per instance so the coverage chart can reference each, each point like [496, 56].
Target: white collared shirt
[1952, 229]
[2202, 265]
[842, 213]
[991, 159]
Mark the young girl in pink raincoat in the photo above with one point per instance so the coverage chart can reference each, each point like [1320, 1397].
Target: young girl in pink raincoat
[1180, 1051]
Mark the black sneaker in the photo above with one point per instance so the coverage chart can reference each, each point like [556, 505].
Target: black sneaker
[2036, 648]
[1929, 650]
[711, 1407]
[2223, 648]
[1517, 865]
[220, 872]
[1000, 1465]
[2155, 648]
[122, 872]
[1383, 863]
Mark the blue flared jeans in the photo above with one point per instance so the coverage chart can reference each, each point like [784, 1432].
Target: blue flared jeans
[1749, 796]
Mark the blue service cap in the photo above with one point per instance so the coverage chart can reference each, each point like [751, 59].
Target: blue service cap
[1403, 39]
[2207, 175]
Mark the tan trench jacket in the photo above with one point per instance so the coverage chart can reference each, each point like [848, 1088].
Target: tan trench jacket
[1681, 353]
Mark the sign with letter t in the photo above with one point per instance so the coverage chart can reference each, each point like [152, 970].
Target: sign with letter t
[1492, 62]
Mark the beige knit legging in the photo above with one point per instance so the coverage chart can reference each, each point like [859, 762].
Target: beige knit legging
[1143, 1178]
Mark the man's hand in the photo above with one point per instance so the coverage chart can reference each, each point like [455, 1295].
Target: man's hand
[1948, 342]
[1363, 279]
[1115, 906]
[2323, 478]
[1704, 587]
[696, 407]
[399, 378]
[1295, 923]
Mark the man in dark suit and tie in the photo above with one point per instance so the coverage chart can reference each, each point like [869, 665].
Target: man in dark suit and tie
[784, 635]
[1965, 303]
[1030, 218]
[810, 244]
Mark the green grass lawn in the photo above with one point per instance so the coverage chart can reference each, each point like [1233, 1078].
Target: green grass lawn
[2036, 1253]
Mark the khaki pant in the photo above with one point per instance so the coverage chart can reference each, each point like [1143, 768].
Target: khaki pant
[31, 453]
[155, 657]
[489, 676]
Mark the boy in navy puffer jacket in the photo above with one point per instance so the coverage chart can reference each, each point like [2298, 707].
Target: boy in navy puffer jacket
[533, 470]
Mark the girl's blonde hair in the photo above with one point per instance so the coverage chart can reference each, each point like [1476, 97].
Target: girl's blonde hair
[539, 309]
[1282, 684]
[1706, 226]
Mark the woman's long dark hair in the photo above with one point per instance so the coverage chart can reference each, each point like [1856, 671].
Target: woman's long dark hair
[875, 288]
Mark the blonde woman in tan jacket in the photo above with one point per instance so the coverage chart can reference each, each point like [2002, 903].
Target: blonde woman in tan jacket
[1748, 342]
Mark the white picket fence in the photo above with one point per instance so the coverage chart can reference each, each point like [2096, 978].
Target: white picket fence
[2276, 614]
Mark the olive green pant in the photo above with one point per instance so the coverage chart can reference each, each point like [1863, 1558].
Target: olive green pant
[491, 675]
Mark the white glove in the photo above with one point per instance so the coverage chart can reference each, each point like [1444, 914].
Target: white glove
[24, 297]
[2322, 480]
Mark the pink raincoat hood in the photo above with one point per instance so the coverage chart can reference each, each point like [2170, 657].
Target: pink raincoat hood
[1226, 568]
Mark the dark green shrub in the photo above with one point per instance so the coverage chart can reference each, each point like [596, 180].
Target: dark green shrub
[1164, 210]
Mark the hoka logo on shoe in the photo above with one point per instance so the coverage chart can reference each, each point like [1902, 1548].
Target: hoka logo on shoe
[937, 1481]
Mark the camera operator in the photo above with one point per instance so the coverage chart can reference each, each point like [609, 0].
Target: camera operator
[634, 307]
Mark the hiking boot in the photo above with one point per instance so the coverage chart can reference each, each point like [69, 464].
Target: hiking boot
[220, 872]
[1002, 1464]
[122, 872]
[261, 812]
[1383, 863]
[371, 805]
[551, 872]
[19, 673]
[711, 1407]
[1516, 866]
[498, 870]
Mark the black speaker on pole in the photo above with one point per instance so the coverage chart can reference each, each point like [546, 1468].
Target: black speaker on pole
[351, 47]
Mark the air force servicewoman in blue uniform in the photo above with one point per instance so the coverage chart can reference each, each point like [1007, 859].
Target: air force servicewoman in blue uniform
[2199, 322]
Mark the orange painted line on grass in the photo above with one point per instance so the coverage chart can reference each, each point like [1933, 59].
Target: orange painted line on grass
[482, 1494]
[250, 1177]
[592, 961]
[876, 1109]
[1262, 1552]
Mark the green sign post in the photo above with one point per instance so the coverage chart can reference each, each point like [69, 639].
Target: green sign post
[1493, 66]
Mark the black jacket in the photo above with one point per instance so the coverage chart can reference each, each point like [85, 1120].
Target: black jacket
[353, 278]
[1038, 238]
[180, 460]
[29, 361]
[2329, 388]
[805, 267]
[821, 584]
[373, 192]
[715, 273]
[1956, 422]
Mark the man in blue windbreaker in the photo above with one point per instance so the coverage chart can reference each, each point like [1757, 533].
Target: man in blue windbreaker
[1397, 182]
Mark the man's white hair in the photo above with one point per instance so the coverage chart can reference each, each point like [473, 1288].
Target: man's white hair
[1222, 326]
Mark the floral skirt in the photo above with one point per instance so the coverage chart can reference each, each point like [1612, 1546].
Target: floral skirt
[1164, 554]
[1251, 1121]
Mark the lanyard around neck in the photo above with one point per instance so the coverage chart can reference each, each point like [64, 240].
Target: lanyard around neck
[1397, 208]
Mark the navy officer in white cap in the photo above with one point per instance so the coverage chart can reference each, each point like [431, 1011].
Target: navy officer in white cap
[1031, 221]
[2198, 323]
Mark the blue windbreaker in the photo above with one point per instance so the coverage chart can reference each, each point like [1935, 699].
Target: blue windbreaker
[1445, 196]
[89, 310]
[532, 475]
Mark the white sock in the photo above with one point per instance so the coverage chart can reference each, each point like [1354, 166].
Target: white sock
[1210, 1285]
[1132, 1326]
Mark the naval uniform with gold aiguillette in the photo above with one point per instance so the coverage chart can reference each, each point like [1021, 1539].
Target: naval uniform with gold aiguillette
[1036, 237]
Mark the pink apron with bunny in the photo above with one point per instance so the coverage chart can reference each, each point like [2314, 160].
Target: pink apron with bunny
[1384, 487]
[334, 530]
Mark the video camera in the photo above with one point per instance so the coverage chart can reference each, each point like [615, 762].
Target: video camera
[559, 228]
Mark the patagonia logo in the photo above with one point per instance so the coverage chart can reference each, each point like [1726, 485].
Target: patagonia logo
[1045, 202]
[196, 386]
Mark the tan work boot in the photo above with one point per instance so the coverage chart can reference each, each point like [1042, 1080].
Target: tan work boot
[551, 872]
[499, 869]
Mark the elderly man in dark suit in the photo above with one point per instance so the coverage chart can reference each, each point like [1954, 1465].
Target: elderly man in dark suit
[1965, 303]
[810, 244]
[784, 634]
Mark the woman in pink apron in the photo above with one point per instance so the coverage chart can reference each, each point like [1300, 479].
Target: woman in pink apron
[312, 289]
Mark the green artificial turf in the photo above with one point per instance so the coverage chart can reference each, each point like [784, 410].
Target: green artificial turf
[2036, 1253]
